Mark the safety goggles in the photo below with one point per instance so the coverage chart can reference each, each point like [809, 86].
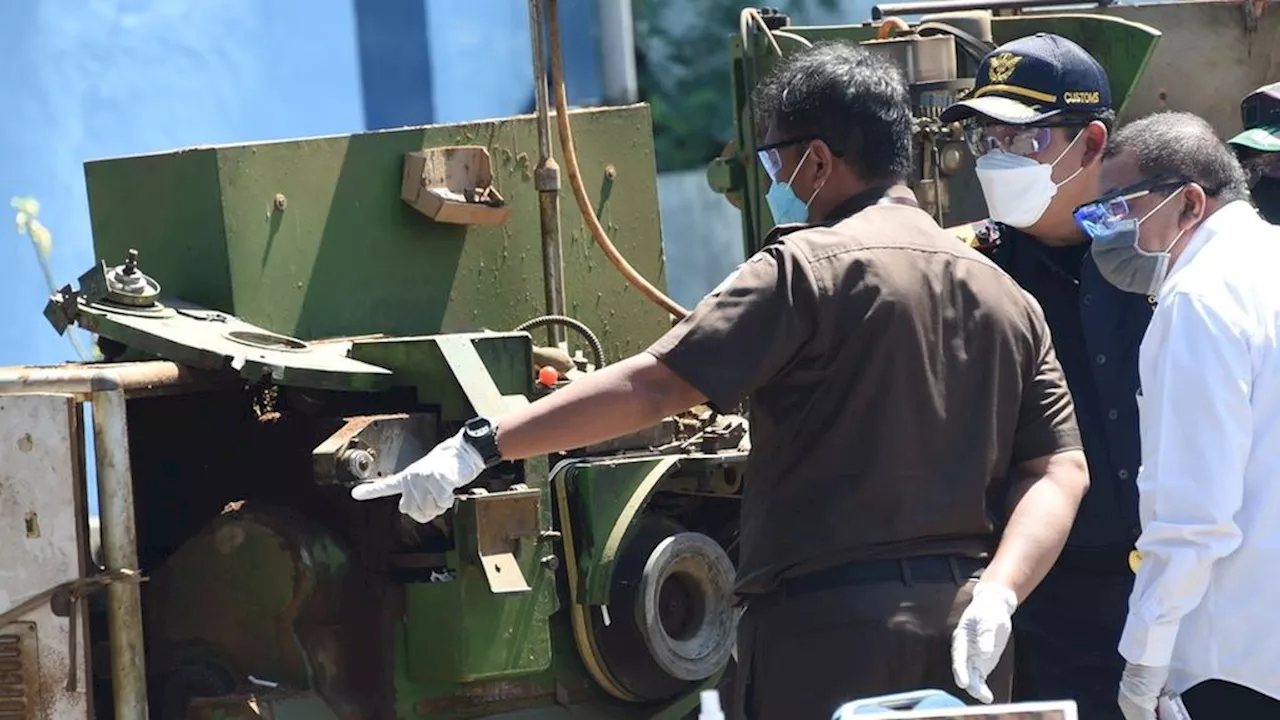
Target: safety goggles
[1014, 139]
[771, 160]
[1107, 211]
[1263, 165]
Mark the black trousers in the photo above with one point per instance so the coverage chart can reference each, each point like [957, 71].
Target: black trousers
[1066, 637]
[803, 656]
[1222, 700]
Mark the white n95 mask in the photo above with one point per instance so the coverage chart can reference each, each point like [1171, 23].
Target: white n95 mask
[1017, 188]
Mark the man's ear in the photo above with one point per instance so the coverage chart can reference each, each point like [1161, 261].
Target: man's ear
[1095, 140]
[823, 162]
[1194, 206]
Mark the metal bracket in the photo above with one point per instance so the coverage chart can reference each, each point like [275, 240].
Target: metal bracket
[499, 522]
[372, 446]
[474, 379]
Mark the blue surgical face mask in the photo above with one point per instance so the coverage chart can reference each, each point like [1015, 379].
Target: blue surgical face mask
[785, 206]
[1120, 260]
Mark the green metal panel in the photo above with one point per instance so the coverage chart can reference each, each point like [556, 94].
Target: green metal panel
[461, 631]
[346, 256]
[1121, 46]
[504, 367]
[607, 495]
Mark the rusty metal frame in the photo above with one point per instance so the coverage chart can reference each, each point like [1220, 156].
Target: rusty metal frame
[107, 387]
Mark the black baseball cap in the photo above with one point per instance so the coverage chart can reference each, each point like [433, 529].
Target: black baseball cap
[1260, 113]
[1035, 78]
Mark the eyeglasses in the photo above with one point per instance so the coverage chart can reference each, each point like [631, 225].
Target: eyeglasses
[1105, 212]
[1262, 165]
[771, 160]
[1013, 139]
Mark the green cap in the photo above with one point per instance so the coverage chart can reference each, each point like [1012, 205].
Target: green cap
[1262, 139]
[1260, 114]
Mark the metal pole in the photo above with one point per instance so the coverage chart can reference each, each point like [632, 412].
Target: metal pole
[880, 12]
[120, 551]
[546, 179]
[106, 389]
[617, 52]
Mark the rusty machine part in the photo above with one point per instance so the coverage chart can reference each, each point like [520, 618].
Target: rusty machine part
[257, 593]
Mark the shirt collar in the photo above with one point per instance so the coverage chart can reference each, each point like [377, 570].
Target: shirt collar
[1222, 219]
[895, 194]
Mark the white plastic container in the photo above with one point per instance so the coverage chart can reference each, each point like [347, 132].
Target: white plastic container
[710, 705]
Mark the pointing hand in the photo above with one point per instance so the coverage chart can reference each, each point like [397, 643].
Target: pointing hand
[426, 486]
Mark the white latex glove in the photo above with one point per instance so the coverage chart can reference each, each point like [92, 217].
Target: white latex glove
[426, 487]
[1140, 688]
[980, 638]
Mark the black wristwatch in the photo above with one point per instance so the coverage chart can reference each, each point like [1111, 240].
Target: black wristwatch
[482, 434]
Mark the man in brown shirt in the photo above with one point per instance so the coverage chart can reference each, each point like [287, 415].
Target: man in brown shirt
[909, 417]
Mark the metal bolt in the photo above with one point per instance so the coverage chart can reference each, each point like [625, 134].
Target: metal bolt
[610, 171]
[359, 462]
[130, 262]
[551, 562]
[548, 535]
[282, 202]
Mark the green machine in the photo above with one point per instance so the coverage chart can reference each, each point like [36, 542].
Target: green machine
[336, 307]
[283, 320]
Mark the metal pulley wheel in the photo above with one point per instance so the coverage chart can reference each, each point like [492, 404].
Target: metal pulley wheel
[127, 285]
[686, 606]
[671, 622]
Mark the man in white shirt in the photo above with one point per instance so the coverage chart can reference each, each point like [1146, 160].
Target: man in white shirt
[1175, 223]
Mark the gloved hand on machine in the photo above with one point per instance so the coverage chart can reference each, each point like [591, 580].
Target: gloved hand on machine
[426, 486]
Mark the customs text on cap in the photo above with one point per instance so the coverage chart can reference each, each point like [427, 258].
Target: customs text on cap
[1260, 113]
[1034, 78]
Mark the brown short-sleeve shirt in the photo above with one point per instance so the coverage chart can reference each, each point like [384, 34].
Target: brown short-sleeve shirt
[895, 376]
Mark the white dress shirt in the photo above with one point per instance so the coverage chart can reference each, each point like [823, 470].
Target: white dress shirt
[1207, 591]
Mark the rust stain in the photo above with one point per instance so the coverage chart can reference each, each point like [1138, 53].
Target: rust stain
[25, 443]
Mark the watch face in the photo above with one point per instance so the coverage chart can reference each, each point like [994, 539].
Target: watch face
[477, 428]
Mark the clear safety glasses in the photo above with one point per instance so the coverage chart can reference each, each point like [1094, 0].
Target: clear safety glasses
[1104, 213]
[771, 160]
[1013, 139]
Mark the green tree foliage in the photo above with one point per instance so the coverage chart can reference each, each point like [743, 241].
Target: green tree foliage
[683, 73]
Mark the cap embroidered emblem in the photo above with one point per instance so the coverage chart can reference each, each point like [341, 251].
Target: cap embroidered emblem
[1001, 67]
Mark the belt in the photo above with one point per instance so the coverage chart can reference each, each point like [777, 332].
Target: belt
[928, 569]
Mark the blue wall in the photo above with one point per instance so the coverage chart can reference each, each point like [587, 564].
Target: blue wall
[86, 79]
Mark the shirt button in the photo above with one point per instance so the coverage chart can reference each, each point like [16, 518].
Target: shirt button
[1086, 299]
[1124, 474]
[1100, 359]
[1112, 414]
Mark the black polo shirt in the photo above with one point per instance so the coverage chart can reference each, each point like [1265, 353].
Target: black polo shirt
[1097, 330]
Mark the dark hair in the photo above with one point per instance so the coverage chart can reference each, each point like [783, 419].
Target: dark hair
[1179, 144]
[853, 99]
[1074, 123]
